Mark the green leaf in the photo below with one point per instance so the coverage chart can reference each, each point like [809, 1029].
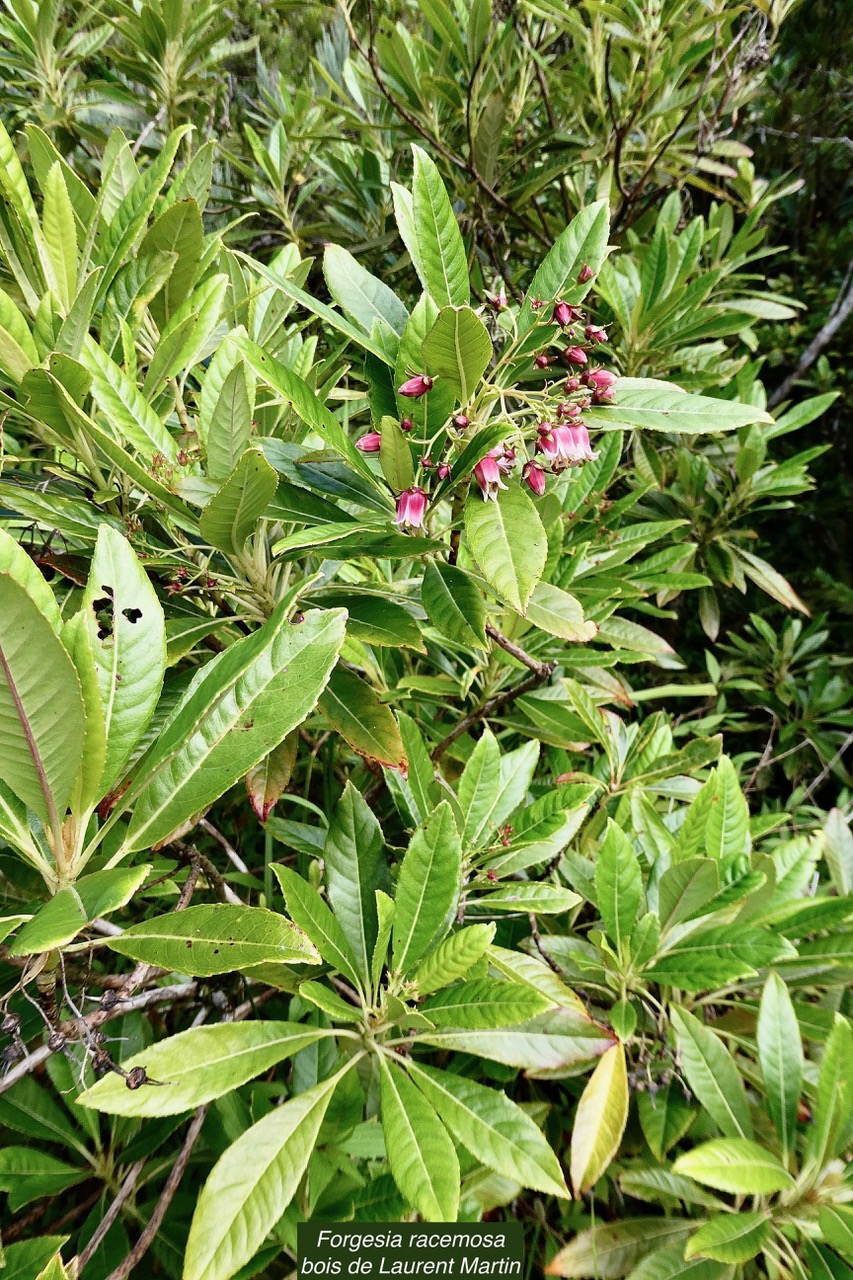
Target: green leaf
[611, 1251]
[731, 1238]
[80, 646]
[780, 1052]
[661, 406]
[600, 1119]
[508, 542]
[736, 1165]
[427, 888]
[354, 709]
[177, 231]
[713, 956]
[199, 1065]
[452, 958]
[527, 896]
[549, 1046]
[60, 235]
[838, 850]
[28, 1173]
[358, 292]
[232, 514]
[712, 1075]
[834, 1100]
[458, 349]
[311, 914]
[206, 940]
[559, 613]
[239, 706]
[483, 1004]
[267, 780]
[42, 722]
[72, 908]
[582, 244]
[492, 1128]
[229, 428]
[454, 603]
[25, 1259]
[395, 455]
[252, 1184]
[664, 1118]
[127, 411]
[727, 830]
[442, 254]
[127, 636]
[479, 788]
[356, 866]
[836, 1224]
[421, 1155]
[385, 910]
[618, 884]
[685, 889]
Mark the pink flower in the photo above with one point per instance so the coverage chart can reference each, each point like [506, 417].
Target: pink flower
[575, 355]
[505, 458]
[416, 386]
[568, 409]
[534, 477]
[498, 301]
[442, 471]
[369, 443]
[411, 508]
[602, 397]
[593, 333]
[600, 379]
[488, 476]
[564, 314]
[406, 424]
[566, 446]
[585, 274]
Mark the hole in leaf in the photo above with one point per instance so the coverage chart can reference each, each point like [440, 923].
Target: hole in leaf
[132, 615]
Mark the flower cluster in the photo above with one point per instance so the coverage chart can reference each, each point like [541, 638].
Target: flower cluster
[557, 442]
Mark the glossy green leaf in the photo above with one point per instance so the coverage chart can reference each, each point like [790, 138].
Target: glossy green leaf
[395, 455]
[442, 254]
[493, 1128]
[685, 889]
[834, 1100]
[253, 1182]
[736, 1165]
[730, 1238]
[661, 406]
[42, 721]
[664, 1117]
[780, 1053]
[479, 788]
[458, 349]
[356, 866]
[712, 1075]
[427, 888]
[179, 231]
[72, 908]
[582, 244]
[713, 956]
[508, 542]
[727, 830]
[359, 293]
[231, 516]
[199, 1065]
[452, 958]
[312, 915]
[60, 235]
[127, 636]
[240, 706]
[618, 884]
[229, 428]
[421, 1155]
[559, 613]
[28, 1173]
[483, 1004]
[608, 1251]
[206, 940]
[454, 603]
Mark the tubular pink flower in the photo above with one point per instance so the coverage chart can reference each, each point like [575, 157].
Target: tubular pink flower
[585, 274]
[488, 476]
[575, 355]
[411, 508]
[567, 447]
[442, 471]
[600, 379]
[594, 333]
[369, 443]
[564, 314]
[416, 386]
[534, 477]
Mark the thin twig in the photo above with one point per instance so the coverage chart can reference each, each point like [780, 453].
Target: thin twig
[141, 1247]
[207, 825]
[490, 708]
[841, 309]
[110, 1215]
[543, 669]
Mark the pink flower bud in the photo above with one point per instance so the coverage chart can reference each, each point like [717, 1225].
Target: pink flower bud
[544, 428]
[585, 274]
[535, 304]
[406, 424]
[460, 422]
[575, 355]
[568, 409]
[600, 379]
[572, 384]
[426, 463]
[534, 477]
[498, 301]
[564, 314]
[488, 476]
[542, 361]
[411, 508]
[593, 333]
[370, 443]
[603, 397]
[416, 386]
[443, 471]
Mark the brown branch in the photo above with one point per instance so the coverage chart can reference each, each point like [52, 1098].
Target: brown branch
[543, 669]
[189, 853]
[173, 1181]
[492, 706]
[110, 1215]
[841, 309]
